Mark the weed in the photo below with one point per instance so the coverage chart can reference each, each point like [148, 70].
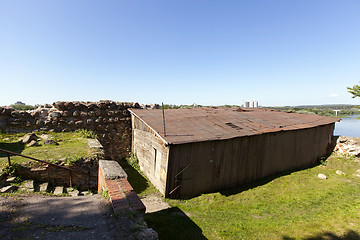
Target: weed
[72, 160]
[105, 194]
[87, 133]
[133, 161]
[323, 161]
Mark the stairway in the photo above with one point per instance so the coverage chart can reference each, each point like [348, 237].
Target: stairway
[31, 186]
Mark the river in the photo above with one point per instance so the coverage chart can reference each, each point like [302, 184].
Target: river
[349, 127]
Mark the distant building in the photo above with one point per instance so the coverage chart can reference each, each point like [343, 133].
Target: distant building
[251, 104]
[20, 103]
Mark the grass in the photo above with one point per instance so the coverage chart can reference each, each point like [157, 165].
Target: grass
[294, 206]
[69, 143]
[141, 185]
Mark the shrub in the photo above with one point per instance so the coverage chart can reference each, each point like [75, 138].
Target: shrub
[22, 107]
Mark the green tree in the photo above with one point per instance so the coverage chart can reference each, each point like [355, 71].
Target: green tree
[355, 91]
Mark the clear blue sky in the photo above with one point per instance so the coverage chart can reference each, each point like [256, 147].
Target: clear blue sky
[180, 52]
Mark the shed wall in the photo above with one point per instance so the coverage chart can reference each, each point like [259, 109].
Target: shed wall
[151, 153]
[213, 165]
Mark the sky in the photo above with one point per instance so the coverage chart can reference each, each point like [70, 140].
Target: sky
[207, 52]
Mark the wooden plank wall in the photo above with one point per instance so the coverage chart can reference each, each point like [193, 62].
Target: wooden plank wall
[214, 165]
[144, 144]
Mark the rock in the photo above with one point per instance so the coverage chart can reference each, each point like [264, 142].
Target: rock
[33, 143]
[50, 142]
[11, 179]
[322, 176]
[147, 233]
[8, 189]
[29, 137]
[338, 172]
[55, 114]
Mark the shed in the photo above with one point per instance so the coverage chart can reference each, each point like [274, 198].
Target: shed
[208, 149]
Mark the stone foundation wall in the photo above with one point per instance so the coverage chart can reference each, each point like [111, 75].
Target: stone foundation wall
[85, 180]
[110, 120]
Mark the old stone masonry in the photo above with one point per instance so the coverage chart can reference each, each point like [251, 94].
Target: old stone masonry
[108, 119]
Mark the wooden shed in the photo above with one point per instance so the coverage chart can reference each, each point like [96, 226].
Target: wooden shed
[208, 149]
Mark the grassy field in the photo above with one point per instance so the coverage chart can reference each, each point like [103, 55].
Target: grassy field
[298, 205]
[71, 144]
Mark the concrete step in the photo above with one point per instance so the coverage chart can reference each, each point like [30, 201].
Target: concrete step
[59, 190]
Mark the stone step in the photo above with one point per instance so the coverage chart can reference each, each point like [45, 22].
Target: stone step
[73, 192]
[43, 187]
[59, 190]
[11, 179]
[7, 189]
[27, 186]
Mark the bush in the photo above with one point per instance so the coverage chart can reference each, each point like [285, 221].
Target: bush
[22, 107]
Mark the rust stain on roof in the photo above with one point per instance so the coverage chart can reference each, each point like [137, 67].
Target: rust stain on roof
[206, 124]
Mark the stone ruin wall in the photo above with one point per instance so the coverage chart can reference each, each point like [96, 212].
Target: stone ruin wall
[110, 120]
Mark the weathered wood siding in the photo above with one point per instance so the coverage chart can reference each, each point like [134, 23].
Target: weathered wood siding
[213, 165]
[151, 152]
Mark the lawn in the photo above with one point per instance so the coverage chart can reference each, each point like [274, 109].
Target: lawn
[71, 144]
[298, 205]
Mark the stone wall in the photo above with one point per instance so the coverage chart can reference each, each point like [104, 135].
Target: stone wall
[110, 120]
[84, 179]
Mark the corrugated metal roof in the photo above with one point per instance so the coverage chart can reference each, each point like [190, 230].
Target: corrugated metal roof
[206, 124]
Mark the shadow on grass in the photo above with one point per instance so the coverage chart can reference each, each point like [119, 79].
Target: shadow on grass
[172, 223]
[136, 180]
[17, 147]
[349, 235]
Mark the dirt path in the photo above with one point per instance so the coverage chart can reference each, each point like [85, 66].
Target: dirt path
[83, 217]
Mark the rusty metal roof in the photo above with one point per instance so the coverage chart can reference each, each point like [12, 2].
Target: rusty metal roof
[206, 124]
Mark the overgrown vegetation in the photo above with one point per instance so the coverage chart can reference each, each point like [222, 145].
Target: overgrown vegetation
[294, 206]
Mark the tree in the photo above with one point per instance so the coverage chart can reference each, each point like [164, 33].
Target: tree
[355, 91]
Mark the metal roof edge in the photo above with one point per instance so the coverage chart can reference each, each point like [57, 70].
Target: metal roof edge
[157, 134]
[256, 134]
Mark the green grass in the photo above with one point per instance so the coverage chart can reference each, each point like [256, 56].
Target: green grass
[294, 206]
[71, 145]
[141, 185]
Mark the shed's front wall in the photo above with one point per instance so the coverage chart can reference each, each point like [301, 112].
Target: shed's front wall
[200, 167]
[151, 153]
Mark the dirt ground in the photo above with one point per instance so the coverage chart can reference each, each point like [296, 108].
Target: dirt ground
[30, 216]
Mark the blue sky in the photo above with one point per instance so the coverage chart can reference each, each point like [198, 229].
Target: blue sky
[180, 52]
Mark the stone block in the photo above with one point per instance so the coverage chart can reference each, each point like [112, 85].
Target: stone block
[112, 170]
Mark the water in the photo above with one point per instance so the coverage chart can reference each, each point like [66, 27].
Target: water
[349, 127]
